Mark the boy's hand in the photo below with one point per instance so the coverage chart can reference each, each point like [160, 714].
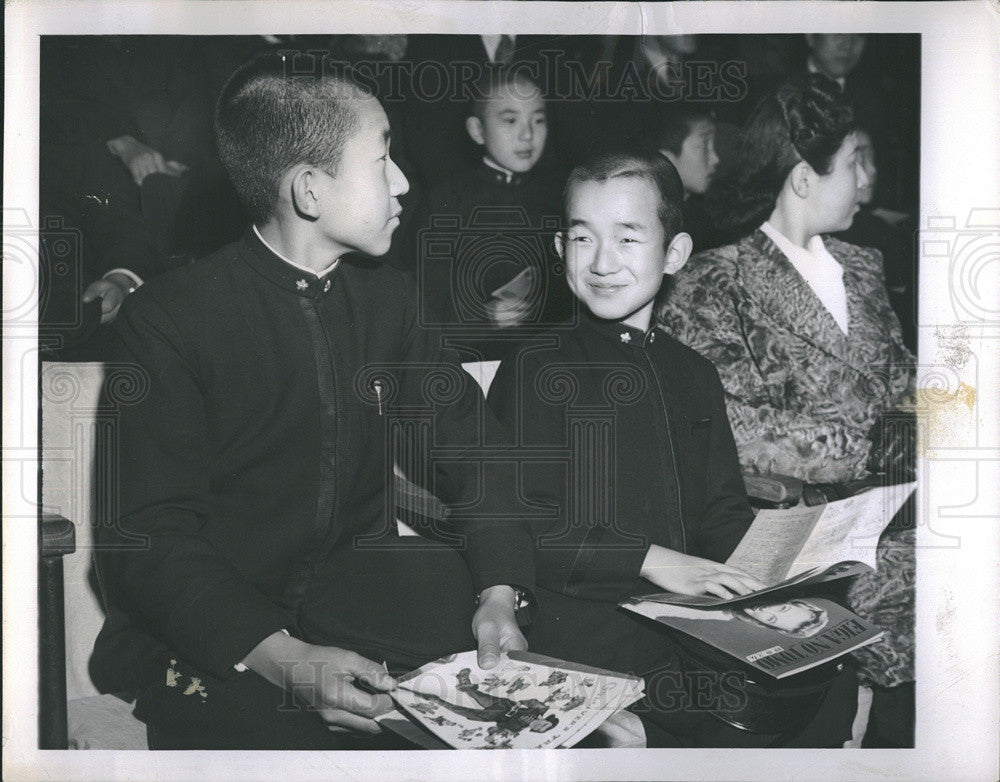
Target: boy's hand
[687, 575]
[495, 626]
[141, 161]
[324, 677]
[112, 291]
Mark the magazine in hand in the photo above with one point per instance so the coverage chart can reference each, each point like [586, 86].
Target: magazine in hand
[803, 546]
[778, 639]
[774, 592]
[526, 702]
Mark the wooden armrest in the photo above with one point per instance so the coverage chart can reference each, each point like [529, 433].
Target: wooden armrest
[58, 536]
[773, 487]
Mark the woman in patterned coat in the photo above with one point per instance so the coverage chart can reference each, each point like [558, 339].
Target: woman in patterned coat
[800, 328]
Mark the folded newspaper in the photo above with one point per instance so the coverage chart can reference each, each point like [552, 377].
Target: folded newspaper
[527, 702]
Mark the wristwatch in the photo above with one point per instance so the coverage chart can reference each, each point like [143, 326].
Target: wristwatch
[520, 598]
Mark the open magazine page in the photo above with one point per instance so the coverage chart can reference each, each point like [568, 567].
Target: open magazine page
[850, 529]
[779, 639]
[773, 541]
[795, 584]
[518, 705]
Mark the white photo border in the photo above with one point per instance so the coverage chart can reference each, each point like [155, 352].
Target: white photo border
[958, 681]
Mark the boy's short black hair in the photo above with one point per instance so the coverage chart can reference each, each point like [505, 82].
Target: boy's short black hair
[497, 78]
[276, 112]
[674, 124]
[644, 164]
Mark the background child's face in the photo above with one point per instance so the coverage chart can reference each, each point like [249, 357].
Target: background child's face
[836, 54]
[513, 128]
[866, 156]
[613, 248]
[359, 207]
[697, 160]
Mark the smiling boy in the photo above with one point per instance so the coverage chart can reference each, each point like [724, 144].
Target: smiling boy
[648, 487]
[255, 550]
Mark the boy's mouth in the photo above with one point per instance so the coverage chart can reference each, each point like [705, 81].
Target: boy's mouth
[525, 154]
[605, 288]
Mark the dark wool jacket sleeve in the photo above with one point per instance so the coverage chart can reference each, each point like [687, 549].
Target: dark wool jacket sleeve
[497, 545]
[172, 579]
[726, 516]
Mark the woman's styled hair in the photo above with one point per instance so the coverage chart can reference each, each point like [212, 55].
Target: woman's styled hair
[638, 164]
[276, 112]
[806, 119]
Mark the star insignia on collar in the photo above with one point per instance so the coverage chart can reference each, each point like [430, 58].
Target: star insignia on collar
[626, 337]
[301, 284]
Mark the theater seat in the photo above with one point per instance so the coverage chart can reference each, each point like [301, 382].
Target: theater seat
[79, 458]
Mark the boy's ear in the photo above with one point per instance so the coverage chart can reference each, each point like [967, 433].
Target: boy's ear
[560, 242]
[301, 182]
[474, 127]
[799, 179]
[678, 252]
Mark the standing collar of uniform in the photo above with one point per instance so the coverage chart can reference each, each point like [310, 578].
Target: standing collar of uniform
[284, 273]
[502, 174]
[616, 332]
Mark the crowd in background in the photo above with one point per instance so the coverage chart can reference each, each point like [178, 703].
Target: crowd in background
[131, 185]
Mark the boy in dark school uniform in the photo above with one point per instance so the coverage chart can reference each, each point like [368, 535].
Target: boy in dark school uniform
[637, 478]
[496, 270]
[255, 579]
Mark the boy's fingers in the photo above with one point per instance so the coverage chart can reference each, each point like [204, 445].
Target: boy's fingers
[369, 672]
[717, 589]
[338, 718]
[489, 654]
[341, 695]
[752, 582]
[515, 642]
[733, 584]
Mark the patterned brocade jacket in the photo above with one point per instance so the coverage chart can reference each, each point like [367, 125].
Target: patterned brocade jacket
[801, 395]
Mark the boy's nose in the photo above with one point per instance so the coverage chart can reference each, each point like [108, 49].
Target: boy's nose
[398, 183]
[863, 179]
[526, 132]
[604, 261]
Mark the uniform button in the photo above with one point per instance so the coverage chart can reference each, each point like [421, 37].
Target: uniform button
[326, 286]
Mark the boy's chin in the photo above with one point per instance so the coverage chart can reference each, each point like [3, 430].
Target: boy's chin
[608, 312]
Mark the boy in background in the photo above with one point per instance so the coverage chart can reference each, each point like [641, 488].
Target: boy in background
[499, 270]
[254, 580]
[653, 490]
[686, 136]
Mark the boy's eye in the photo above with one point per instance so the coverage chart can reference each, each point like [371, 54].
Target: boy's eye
[579, 239]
